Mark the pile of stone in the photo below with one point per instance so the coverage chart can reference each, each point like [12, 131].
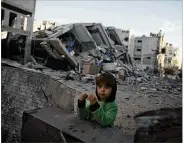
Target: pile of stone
[86, 48]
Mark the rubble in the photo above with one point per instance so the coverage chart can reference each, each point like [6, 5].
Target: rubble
[86, 48]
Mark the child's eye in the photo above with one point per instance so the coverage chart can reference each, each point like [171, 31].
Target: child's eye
[107, 87]
[99, 86]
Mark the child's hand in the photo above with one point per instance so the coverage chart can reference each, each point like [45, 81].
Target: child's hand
[92, 99]
[83, 97]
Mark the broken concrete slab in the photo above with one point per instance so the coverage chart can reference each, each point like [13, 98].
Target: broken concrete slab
[116, 35]
[99, 34]
[62, 95]
[48, 49]
[61, 49]
[60, 30]
[81, 33]
[111, 67]
[69, 123]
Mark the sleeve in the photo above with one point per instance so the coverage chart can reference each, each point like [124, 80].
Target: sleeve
[83, 110]
[105, 118]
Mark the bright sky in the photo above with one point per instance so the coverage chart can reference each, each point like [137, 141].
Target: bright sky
[142, 17]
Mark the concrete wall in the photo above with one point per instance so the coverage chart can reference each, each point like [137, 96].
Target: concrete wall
[124, 35]
[22, 4]
[81, 32]
[131, 44]
[101, 37]
[23, 90]
[20, 92]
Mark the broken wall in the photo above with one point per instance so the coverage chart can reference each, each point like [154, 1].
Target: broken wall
[115, 35]
[99, 34]
[84, 37]
[24, 90]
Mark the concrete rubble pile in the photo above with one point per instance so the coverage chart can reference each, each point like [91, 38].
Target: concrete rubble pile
[85, 49]
[80, 51]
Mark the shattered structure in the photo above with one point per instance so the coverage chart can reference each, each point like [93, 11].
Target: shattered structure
[17, 24]
[82, 47]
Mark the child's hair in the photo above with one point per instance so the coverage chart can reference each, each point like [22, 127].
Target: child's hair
[109, 80]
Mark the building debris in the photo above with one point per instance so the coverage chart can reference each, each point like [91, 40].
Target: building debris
[83, 47]
[86, 49]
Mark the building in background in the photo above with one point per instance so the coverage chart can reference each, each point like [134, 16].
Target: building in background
[43, 25]
[128, 38]
[161, 40]
[145, 48]
[172, 57]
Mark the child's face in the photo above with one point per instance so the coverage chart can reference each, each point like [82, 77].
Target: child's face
[103, 91]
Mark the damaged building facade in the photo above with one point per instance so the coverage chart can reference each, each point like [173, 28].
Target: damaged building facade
[75, 46]
[146, 49]
[172, 56]
[17, 26]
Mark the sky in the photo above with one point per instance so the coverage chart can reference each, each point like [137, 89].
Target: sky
[142, 17]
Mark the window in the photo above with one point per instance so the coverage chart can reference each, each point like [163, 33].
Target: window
[163, 51]
[138, 49]
[148, 57]
[126, 39]
[169, 60]
[137, 58]
[139, 41]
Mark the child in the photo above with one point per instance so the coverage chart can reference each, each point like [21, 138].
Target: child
[101, 107]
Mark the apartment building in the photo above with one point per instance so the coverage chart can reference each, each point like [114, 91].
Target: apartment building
[145, 51]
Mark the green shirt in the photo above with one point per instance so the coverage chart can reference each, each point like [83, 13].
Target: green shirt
[105, 115]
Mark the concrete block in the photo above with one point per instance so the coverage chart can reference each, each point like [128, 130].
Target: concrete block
[90, 69]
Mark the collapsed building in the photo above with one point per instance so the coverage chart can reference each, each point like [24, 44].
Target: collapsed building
[79, 47]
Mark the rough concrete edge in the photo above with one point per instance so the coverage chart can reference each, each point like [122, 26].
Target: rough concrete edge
[17, 65]
[14, 64]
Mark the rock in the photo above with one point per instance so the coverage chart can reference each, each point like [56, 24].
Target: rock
[121, 75]
[153, 89]
[143, 88]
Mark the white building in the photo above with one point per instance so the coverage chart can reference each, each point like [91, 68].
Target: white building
[172, 57]
[144, 53]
